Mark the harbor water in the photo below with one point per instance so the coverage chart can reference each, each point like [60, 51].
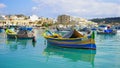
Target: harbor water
[23, 53]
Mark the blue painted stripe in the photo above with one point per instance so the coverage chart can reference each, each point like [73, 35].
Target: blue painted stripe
[69, 40]
[90, 46]
[79, 39]
[90, 41]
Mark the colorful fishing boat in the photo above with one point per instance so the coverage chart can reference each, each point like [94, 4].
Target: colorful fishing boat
[72, 39]
[11, 34]
[106, 30]
[23, 33]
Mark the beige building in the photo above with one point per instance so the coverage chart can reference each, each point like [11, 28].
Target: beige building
[16, 20]
[74, 21]
[63, 19]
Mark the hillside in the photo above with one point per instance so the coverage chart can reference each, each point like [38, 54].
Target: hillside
[107, 20]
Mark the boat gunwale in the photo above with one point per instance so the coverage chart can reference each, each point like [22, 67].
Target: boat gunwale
[67, 38]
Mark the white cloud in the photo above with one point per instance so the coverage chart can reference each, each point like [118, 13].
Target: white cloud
[2, 5]
[35, 8]
[79, 7]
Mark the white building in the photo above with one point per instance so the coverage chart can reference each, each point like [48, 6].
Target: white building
[33, 18]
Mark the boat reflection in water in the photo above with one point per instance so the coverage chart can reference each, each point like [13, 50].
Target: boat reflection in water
[86, 55]
[106, 37]
[15, 44]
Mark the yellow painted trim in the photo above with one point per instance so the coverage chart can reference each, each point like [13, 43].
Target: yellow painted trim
[89, 41]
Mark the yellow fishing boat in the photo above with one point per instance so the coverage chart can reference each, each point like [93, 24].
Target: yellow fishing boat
[72, 39]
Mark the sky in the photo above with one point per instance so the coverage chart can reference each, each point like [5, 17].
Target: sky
[53, 8]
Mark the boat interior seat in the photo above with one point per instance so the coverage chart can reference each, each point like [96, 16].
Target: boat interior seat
[73, 34]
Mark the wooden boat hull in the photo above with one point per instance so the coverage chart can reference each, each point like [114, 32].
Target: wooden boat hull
[12, 36]
[106, 32]
[24, 36]
[73, 43]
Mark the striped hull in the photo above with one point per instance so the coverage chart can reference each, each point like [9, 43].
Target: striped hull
[113, 32]
[74, 43]
[106, 33]
[10, 36]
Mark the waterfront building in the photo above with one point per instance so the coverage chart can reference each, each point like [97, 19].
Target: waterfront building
[63, 19]
[15, 20]
[67, 20]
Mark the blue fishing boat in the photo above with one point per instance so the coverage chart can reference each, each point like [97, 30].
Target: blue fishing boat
[107, 30]
[25, 33]
[72, 39]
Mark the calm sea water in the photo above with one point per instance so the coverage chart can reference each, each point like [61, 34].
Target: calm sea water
[25, 54]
